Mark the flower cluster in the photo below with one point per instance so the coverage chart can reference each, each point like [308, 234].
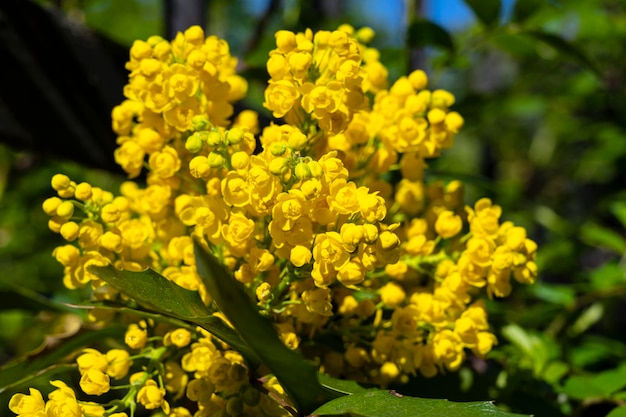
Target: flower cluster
[327, 220]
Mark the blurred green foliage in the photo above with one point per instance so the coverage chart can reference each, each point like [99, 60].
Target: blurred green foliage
[542, 93]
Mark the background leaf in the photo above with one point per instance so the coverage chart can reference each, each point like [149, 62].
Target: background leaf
[487, 11]
[596, 235]
[381, 403]
[523, 9]
[426, 33]
[563, 47]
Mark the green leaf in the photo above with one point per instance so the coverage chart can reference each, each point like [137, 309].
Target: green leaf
[608, 276]
[157, 293]
[342, 386]
[588, 318]
[380, 403]
[426, 33]
[596, 235]
[600, 385]
[618, 209]
[487, 11]
[531, 345]
[557, 294]
[563, 47]
[524, 9]
[298, 377]
[44, 360]
[618, 412]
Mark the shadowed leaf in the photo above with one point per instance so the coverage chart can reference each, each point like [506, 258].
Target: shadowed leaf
[298, 377]
[380, 403]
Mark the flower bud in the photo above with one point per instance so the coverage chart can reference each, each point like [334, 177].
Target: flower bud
[302, 171]
[234, 136]
[278, 148]
[200, 122]
[214, 138]
[215, 160]
[194, 143]
[279, 166]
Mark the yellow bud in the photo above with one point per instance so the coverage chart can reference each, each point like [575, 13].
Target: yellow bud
[297, 140]
[215, 138]
[264, 292]
[279, 166]
[50, 205]
[300, 255]
[199, 167]
[83, 191]
[278, 148]
[418, 79]
[110, 213]
[69, 231]
[302, 171]
[65, 209]
[60, 182]
[194, 143]
[215, 160]
[436, 116]
[240, 160]
[316, 169]
[200, 122]
[234, 136]
[365, 34]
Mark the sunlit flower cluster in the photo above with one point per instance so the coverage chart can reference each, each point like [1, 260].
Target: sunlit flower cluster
[325, 215]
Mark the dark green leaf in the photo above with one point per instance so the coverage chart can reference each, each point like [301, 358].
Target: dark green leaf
[619, 210]
[563, 47]
[157, 293]
[380, 403]
[298, 377]
[618, 412]
[523, 9]
[426, 33]
[43, 359]
[596, 235]
[487, 11]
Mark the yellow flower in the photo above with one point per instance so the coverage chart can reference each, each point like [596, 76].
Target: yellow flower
[280, 97]
[135, 337]
[119, 363]
[448, 349]
[28, 405]
[150, 395]
[92, 359]
[300, 255]
[94, 382]
[62, 402]
[448, 224]
[392, 294]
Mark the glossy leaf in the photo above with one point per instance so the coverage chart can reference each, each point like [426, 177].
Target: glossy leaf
[157, 293]
[298, 377]
[487, 11]
[563, 47]
[380, 403]
[426, 33]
